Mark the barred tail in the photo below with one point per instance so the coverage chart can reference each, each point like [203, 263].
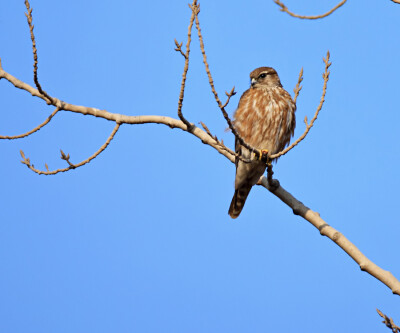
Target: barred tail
[238, 200]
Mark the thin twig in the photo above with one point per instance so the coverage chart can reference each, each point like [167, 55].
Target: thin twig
[33, 130]
[218, 142]
[223, 147]
[66, 158]
[389, 322]
[298, 87]
[209, 132]
[229, 94]
[179, 48]
[325, 76]
[221, 106]
[285, 9]
[195, 10]
[35, 57]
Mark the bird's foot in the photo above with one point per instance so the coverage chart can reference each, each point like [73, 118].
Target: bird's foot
[263, 155]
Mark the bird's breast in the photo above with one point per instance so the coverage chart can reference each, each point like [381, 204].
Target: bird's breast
[265, 118]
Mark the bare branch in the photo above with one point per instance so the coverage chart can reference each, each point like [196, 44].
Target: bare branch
[220, 143]
[325, 76]
[396, 1]
[389, 322]
[195, 10]
[285, 9]
[229, 94]
[35, 57]
[179, 48]
[66, 158]
[33, 130]
[209, 132]
[256, 151]
[119, 118]
[298, 87]
[325, 229]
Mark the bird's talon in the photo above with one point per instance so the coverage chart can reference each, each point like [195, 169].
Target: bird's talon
[263, 155]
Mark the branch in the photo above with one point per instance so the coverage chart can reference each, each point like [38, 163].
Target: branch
[229, 94]
[35, 57]
[396, 1]
[119, 118]
[298, 87]
[34, 130]
[325, 76]
[254, 150]
[195, 10]
[179, 48]
[325, 229]
[285, 9]
[389, 322]
[218, 142]
[66, 158]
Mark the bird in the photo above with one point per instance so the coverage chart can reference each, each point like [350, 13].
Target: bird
[264, 119]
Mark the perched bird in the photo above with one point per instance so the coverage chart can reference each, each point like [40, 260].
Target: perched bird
[265, 120]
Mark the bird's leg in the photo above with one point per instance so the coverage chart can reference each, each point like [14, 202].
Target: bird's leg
[273, 183]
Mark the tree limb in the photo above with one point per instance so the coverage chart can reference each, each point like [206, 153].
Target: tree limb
[325, 229]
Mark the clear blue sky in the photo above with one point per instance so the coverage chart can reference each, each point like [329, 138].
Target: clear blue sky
[139, 240]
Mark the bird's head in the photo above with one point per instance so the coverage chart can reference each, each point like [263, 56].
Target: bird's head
[264, 77]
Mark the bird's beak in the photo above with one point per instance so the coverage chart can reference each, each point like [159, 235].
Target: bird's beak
[253, 82]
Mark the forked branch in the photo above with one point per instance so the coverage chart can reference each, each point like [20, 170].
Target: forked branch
[66, 158]
[285, 9]
[220, 105]
[325, 76]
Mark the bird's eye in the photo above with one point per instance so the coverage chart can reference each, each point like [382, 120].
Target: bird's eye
[263, 75]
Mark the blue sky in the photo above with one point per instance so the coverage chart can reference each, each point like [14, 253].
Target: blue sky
[139, 240]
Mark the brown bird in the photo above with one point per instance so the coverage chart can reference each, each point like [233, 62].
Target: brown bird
[265, 119]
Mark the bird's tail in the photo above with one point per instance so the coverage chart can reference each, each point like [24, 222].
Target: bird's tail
[238, 200]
